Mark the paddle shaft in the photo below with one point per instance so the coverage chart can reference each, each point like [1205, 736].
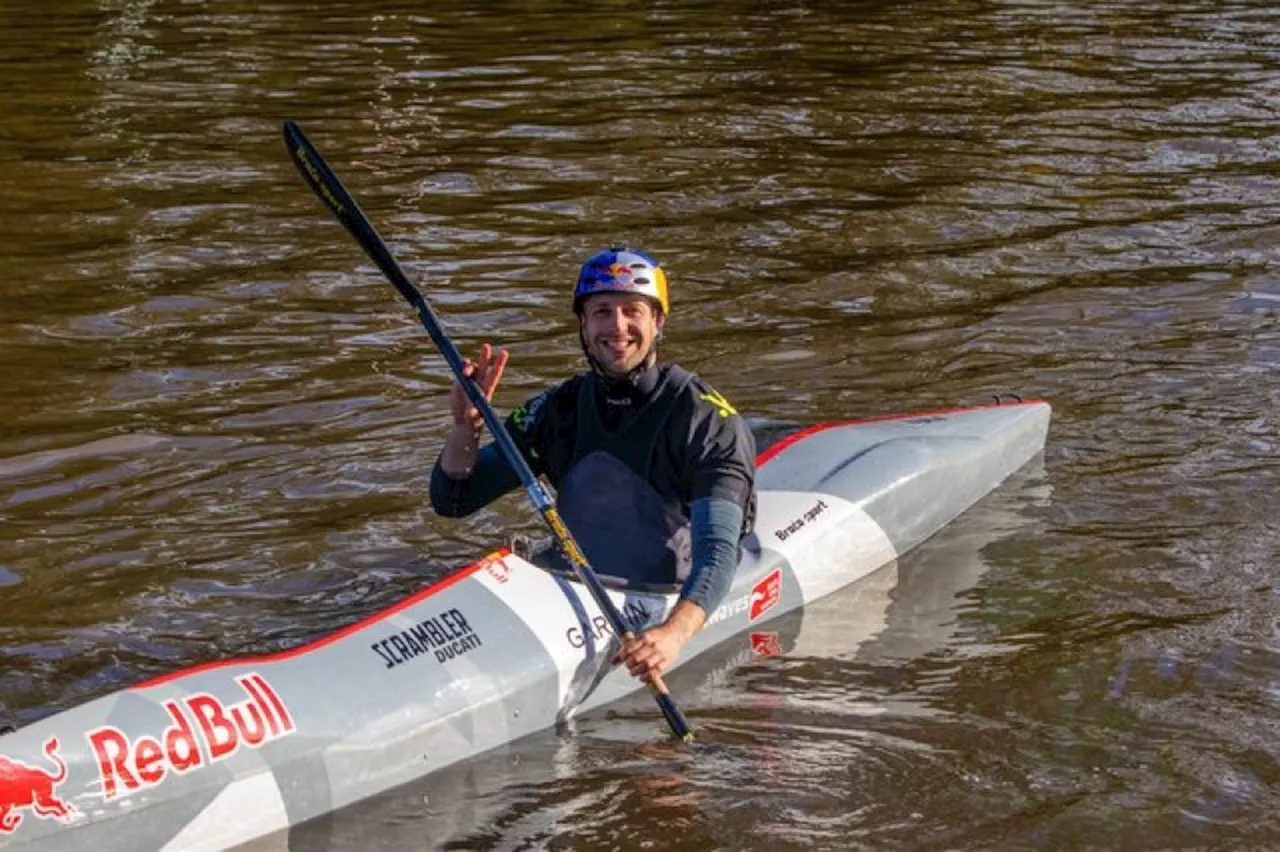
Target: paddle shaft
[325, 184]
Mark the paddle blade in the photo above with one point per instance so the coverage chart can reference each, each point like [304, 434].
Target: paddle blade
[329, 189]
[317, 174]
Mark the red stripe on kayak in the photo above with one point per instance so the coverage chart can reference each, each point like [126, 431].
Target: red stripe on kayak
[436, 588]
[797, 437]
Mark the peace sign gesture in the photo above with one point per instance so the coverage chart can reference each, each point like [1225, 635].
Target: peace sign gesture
[463, 444]
[486, 372]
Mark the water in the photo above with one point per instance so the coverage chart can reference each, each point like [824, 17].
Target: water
[218, 419]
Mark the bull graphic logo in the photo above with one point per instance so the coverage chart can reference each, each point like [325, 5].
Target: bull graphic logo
[23, 786]
[622, 276]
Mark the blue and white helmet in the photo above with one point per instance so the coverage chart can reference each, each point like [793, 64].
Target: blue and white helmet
[622, 269]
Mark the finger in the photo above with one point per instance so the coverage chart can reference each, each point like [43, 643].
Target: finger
[627, 653]
[494, 374]
[642, 660]
[624, 653]
[645, 672]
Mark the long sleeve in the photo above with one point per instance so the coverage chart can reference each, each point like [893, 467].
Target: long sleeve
[492, 475]
[716, 529]
[490, 479]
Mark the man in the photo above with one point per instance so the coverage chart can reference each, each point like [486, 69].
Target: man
[654, 471]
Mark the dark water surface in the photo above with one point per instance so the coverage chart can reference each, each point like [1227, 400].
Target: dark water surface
[216, 419]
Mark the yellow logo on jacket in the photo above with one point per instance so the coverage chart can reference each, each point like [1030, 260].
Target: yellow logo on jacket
[722, 405]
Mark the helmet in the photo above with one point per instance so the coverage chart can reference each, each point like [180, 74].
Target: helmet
[621, 269]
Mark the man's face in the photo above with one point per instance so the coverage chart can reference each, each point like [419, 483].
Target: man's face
[619, 329]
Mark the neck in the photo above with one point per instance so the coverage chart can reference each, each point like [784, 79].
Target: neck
[639, 383]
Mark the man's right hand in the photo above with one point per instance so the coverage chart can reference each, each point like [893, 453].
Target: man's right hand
[487, 372]
[460, 448]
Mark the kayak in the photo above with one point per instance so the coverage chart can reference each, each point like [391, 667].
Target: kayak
[226, 753]
[762, 703]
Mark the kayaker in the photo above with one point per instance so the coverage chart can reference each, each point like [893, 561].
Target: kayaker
[654, 470]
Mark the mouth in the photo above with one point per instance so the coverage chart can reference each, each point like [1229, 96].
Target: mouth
[617, 349]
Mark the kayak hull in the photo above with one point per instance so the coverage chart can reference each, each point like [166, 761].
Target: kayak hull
[222, 754]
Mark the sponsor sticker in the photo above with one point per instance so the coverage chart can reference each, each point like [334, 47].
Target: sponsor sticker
[765, 594]
[635, 613]
[728, 610]
[444, 636]
[205, 730]
[33, 790]
[498, 569]
[798, 523]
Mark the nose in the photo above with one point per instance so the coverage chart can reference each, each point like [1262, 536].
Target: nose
[617, 320]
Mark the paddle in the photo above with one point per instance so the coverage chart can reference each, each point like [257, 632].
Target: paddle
[317, 174]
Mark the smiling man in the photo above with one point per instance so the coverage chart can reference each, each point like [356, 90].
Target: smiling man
[654, 471]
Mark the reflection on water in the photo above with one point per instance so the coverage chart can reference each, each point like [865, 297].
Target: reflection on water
[218, 420]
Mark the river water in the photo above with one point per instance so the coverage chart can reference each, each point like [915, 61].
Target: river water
[218, 419]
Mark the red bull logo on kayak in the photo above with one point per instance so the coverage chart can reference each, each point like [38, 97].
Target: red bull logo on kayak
[205, 730]
[32, 789]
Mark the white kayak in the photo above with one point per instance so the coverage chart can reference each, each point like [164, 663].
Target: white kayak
[223, 754]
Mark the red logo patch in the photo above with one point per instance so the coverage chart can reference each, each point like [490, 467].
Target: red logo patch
[205, 730]
[23, 786]
[498, 569]
[765, 594]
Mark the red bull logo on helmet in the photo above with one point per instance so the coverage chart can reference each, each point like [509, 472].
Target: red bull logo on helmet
[615, 276]
[622, 276]
[205, 730]
[33, 790]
